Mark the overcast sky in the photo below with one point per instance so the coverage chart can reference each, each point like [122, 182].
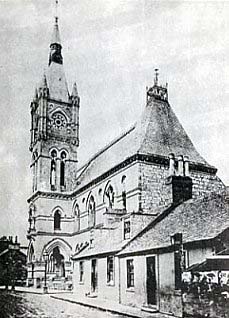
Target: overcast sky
[110, 48]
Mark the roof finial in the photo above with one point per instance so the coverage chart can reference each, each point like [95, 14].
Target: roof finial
[156, 76]
[56, 11]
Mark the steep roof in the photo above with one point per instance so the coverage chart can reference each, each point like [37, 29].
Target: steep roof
[158, 132]
[57, 83]
[198, 219]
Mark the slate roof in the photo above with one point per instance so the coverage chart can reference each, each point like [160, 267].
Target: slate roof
[198, 219]
[57, 83]
[158, 132]
[107, 241]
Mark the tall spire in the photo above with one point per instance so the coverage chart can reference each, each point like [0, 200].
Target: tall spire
[55, 46]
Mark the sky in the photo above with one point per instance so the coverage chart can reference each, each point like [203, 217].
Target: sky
[111, 48]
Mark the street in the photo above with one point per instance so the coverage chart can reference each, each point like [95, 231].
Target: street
[26, 305]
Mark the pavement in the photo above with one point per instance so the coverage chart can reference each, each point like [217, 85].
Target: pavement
[103, 305]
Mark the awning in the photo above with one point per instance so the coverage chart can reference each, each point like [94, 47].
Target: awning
[212, 263]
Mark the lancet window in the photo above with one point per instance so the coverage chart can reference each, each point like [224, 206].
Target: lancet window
[53, 170]
[91, 212]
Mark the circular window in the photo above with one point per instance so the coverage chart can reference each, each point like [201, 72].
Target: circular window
[59, 121]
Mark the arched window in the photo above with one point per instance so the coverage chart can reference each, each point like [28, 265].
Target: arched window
[110, 195]
[57, 217]
[123, 182]
[77, 217]
[53, 170]
[91, 212]
[62, 168]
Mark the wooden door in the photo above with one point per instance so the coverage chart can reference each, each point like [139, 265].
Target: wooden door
[151, 284]
[94, 276]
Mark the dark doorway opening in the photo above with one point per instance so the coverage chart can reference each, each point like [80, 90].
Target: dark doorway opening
[94, 276]
[151, 283]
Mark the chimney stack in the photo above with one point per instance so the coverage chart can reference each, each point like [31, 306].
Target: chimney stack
[171, 164]
[180, 166]
[186, 166]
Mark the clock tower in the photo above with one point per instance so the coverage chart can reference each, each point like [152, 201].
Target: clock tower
[54, 126]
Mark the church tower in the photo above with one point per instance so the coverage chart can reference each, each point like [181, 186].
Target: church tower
[54, 126]
[54, 143]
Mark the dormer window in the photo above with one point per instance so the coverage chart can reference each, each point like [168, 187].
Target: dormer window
[126, 230]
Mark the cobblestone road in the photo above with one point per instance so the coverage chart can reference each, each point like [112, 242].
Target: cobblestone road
[20, 305]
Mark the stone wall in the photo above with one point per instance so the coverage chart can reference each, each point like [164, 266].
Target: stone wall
[156, 190]
[205, 183]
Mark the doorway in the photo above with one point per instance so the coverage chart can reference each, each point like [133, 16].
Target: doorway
[94, 276]
[151, 281]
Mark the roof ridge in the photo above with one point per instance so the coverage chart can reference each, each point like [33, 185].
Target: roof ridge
[107, 146]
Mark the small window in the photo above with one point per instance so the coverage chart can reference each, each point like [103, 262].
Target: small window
[81, 271]
[130, 273]
[126, 230]
[110, 270]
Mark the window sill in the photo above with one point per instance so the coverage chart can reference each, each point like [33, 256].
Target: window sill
[111, 284]
[81, 283]
[130, 290]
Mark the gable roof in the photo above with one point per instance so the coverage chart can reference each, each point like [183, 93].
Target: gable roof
[158, 132]
[199, 219]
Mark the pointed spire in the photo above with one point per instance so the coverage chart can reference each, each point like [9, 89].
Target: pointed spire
[35, 95]
[74, 90]
[44, 81]
[55, 46]
[56, 33]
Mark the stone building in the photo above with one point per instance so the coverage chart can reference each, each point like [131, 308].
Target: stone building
[88, 215]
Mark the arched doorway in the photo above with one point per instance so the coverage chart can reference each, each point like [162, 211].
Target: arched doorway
[56, 263]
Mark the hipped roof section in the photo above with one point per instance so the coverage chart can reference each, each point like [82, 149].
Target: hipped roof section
[157, 132]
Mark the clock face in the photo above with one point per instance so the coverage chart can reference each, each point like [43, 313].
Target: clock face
[58, 121]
